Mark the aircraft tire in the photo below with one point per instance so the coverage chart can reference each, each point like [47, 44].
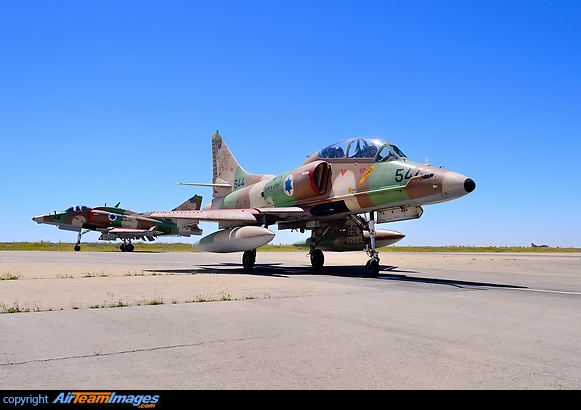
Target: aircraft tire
[248, 259]
[77, 248]
[129, 248]
[372, 268]
[317, 259]
[122, 248]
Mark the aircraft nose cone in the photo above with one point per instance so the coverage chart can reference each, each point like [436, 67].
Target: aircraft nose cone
[469, 185]
[38, 219]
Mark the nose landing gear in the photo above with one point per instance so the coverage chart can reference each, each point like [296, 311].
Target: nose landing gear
[372, 268]
[78, 244]
[372, 265]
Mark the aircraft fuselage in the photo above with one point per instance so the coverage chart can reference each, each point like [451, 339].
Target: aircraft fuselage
[350, 186]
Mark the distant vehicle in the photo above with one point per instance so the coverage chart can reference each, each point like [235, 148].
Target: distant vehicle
[118, 223]
[329, 194]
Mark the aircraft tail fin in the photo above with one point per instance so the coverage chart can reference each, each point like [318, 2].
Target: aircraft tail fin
[228, 175]
[226, 169]
[192, 204]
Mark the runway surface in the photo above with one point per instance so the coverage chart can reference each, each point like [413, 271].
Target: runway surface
[430, 321]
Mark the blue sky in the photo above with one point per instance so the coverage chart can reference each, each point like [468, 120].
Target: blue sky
[112, 101]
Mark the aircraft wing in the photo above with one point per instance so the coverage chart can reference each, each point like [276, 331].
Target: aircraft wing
[131, 231]
[250, 215]
[112, 234]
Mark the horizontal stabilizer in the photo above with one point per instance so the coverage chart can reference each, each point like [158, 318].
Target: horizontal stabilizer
[201, 184]
[220, 188]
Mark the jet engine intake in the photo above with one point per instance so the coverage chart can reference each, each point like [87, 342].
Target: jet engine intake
[304, 182]
[310, 180]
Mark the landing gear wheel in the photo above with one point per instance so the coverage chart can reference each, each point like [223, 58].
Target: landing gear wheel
[248, 259]
[78, 244]
[129, 248]
[123, 248]
[317, 259]
[372, 268]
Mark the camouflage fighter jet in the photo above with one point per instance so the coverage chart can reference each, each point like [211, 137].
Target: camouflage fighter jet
[118, 223]
[330, 194]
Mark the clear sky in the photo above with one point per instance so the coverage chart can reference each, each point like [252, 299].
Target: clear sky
[111, 101]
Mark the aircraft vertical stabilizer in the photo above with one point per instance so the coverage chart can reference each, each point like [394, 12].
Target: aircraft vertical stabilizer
[192, 204]
[227, 170]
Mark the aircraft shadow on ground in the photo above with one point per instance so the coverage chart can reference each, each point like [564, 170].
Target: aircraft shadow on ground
[277, 270]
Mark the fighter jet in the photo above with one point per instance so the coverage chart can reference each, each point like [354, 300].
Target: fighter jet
[339, 193]
[118, 223]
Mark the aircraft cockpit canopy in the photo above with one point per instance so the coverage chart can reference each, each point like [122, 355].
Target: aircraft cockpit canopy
[378, 149]
[77, 208]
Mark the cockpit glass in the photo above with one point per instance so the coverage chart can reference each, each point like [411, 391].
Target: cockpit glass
[353, 148]
[337, 150]
[364, 147]
[385, 155]
[389, 152]
[398, 151]
[77, 208]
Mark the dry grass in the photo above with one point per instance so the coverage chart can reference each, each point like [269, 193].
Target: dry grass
[186, 247]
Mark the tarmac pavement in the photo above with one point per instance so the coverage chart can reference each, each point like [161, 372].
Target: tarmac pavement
[430, 321]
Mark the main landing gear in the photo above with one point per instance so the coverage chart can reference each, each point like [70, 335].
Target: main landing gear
[372, 265]
[248, 259]
[317, 257]
[126, 246]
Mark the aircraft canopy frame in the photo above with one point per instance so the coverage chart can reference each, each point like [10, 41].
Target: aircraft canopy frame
[378, 149]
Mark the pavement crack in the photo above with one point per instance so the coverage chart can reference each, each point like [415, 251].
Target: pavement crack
[122, 352]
